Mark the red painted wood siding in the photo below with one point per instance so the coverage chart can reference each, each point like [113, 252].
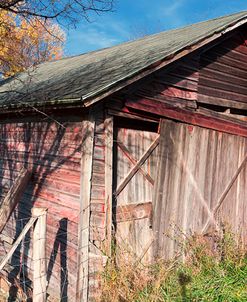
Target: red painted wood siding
[53, 154]
[209, 78]
[176, 85]
[223, 71]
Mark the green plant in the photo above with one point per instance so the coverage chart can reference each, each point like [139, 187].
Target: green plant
[208, 274]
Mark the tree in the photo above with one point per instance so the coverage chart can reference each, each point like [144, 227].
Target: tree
[25, 43]
[29, 33]
[61, 10]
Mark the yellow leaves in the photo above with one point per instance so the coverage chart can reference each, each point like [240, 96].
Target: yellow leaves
[25, 43]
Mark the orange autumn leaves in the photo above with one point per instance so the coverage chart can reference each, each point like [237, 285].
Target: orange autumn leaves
[27, 42]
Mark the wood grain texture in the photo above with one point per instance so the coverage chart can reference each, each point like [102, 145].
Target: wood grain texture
[101, 199]
[139, 189]
[100, 193]
[223, 73]
[12, 198]
[177, 86]
[108, 181]
[131, 212]
[39, 255]
[132, 234]
[85, 197]
[214, 76]
[224, 194]
[210, 121]
[137, 166]
[50, 153]
[125, 150]
[195, 168]
[17, 242]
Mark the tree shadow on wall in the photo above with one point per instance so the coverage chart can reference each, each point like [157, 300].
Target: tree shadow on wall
[60, 243]
[43, 148]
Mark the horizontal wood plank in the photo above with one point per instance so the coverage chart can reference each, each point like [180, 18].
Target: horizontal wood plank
[190, 117]
[130, 212]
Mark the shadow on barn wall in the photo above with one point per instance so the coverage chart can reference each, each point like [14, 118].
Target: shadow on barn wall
[42, 156]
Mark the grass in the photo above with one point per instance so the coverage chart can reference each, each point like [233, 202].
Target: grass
[217, 274]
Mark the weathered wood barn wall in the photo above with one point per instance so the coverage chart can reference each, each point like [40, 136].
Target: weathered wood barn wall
[165, 151]
[201, 173]
[52, 154]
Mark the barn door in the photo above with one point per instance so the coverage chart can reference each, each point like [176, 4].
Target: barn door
[135, 152]
[201, 182]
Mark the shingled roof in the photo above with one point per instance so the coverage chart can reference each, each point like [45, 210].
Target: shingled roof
[89, 76]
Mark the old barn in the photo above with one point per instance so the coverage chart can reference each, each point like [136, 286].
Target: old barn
[123, 143]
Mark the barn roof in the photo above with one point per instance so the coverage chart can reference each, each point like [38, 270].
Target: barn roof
[89, 76]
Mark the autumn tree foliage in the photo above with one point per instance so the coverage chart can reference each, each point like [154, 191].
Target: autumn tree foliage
[25, 43]
[29, 30]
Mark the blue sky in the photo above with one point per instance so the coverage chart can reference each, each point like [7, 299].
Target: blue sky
[132, 19]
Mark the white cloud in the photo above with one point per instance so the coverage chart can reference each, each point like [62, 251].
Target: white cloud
[171, 9]
[170, 14]
[96, 35]
[113, 26]
[95, 38]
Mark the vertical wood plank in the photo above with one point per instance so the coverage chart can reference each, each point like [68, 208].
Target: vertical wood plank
[85, 195]
[209, 168]
[108, 180]
[39, 255]
[224, 194]
[137, 166]
[133, 236]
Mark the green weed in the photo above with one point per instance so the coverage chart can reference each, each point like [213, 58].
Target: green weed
[209, 273]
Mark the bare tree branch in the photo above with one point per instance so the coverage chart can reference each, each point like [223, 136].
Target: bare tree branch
[61, 10]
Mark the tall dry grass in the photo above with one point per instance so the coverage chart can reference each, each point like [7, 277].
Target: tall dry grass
[213, 271]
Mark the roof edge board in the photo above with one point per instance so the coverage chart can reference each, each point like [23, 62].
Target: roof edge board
[90, 99]
[33, 105]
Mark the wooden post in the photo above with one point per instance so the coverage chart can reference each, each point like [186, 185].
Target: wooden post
[85, 196]
[17, 242]
[39, 255]
[108, 180]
